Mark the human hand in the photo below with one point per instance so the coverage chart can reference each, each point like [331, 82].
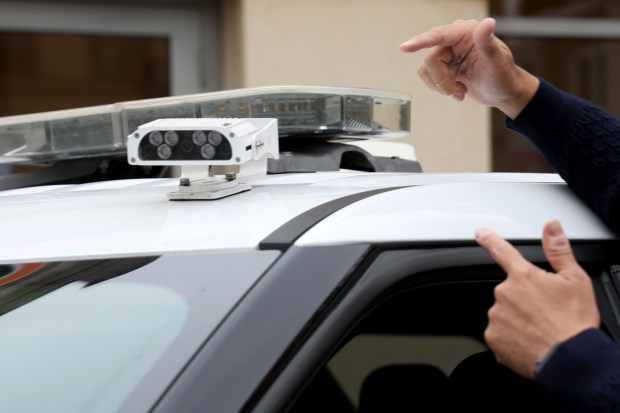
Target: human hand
[534, 309]
[467, 59]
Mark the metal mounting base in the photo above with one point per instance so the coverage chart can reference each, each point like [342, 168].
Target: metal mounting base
[208, 190]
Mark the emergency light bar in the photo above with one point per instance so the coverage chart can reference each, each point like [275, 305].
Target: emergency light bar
[301, 111]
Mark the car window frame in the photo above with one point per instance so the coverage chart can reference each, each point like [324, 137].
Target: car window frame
[384, 268]
[237, 365]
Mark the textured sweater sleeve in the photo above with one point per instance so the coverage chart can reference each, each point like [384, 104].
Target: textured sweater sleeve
[581, 142]
[583, 374]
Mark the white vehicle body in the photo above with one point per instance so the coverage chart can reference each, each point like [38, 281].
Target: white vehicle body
[128, 218]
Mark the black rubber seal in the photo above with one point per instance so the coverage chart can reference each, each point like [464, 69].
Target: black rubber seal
[283, 237]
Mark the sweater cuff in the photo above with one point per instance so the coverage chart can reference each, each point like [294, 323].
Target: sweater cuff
[583, 372]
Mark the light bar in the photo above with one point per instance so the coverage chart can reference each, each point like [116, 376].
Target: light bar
[301, 111]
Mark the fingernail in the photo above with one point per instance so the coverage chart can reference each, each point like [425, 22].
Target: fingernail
[556, 234]
[480, 233]
[555, 230]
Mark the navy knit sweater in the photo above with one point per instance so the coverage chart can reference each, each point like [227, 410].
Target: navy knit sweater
[582, 142]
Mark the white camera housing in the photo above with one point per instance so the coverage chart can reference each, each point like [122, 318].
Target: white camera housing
[203, 141]
[210, 151]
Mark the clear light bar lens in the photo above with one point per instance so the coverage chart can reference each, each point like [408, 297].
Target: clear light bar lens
[302, 111]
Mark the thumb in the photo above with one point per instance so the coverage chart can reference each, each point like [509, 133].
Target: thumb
[557, 247]
[484, 39]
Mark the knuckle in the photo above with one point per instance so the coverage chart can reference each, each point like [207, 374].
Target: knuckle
[429, 60]
[561, 247]
[495, 250]
[518, 267]
[487, 335]
[490, 337]
[582, 277]
[436, 34]
[565, 253]
[472, 22]
[499, 292]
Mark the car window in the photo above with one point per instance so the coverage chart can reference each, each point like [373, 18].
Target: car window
[85, 335]
[417, 341]
[411, 339]
[366, 354]
[97, 341]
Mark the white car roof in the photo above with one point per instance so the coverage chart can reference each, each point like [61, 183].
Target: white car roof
[135, 218]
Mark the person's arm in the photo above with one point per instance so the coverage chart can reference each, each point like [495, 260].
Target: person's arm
[552, 318]
[581, 142]
[578, 139]
[583, 374]
[536, 311]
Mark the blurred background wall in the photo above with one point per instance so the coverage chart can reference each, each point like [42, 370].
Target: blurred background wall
[58, 54]
[355, 43]
[64, 54]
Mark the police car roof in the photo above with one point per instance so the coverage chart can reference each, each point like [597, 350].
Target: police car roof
[135, 218]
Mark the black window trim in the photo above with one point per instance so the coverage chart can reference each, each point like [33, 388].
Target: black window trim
[228, 374]
[286, 235]
[388, 265]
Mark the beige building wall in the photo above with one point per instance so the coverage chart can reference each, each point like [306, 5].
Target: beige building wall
[354, 43]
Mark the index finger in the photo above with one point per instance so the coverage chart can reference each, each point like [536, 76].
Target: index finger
[501, 250]
[448, 35]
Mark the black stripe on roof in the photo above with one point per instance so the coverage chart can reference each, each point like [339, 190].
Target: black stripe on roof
[287, 234]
